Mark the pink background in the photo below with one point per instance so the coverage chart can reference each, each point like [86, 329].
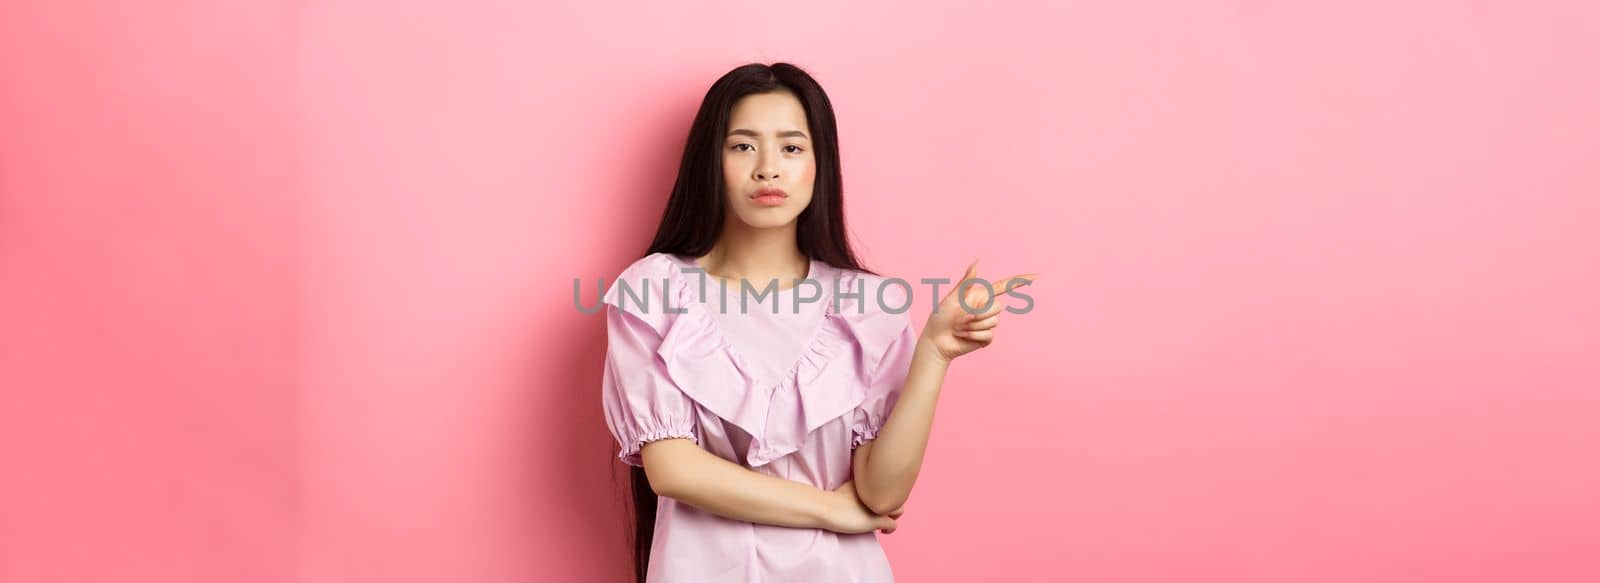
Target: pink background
[286, 289]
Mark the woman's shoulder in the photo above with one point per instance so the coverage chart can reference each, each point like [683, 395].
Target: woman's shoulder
[655, 265]
[652, 268]
[876, 312]
[649, 287]
[862, 292]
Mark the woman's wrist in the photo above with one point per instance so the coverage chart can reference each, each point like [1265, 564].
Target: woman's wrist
[831, 505]
[927, 351]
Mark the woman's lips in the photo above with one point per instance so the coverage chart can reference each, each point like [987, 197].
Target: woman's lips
[770, 196]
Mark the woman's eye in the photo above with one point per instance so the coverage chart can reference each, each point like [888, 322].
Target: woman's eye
[797, 149]
[736, 146]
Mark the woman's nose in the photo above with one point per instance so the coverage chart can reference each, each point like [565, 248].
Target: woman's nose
[766, 174]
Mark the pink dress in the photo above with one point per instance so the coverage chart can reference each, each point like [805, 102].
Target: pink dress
[788, 394]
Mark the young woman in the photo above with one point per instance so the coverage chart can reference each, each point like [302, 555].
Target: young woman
[753, 363]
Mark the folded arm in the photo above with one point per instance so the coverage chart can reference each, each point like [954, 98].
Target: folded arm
[681, 470]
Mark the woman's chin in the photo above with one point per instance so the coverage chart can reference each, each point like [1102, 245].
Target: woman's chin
[770, 218]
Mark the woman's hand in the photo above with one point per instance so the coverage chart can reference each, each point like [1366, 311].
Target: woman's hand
[850, 516]
[953, 331]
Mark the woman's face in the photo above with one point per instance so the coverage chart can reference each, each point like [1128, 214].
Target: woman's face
[768, 146]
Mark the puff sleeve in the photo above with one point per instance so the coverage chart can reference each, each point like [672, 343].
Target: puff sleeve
[642, 404]
[886, 382]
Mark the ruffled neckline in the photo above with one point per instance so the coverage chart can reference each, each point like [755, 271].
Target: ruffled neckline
[828, 379]
[813, 347]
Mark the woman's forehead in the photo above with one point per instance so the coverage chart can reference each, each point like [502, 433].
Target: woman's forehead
[767, 113]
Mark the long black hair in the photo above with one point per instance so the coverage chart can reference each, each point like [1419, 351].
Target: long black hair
[694, 216]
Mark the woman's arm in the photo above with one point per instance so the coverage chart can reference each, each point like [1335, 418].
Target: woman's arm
[887, 467]
[681, 470]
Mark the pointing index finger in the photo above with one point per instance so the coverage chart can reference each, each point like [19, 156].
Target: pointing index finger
[1001, 287]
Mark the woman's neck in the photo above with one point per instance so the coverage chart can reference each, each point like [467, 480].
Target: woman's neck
[757, 255]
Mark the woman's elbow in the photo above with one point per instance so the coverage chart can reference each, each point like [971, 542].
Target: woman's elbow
[878, 503]
[660, 484]
[661, 468]
[883, 509]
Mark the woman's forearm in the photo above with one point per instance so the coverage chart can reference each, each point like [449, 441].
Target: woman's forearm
[681, 470]
[886, 471]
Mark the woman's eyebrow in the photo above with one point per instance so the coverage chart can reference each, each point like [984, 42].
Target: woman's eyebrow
[753, 134]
